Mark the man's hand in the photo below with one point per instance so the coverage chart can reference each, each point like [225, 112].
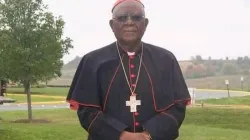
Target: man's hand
[141, 136]
[133, 136]
[147, 135]
[127, 136]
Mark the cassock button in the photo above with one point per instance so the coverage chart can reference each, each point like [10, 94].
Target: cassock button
[136, 113]
[132, 75]
[132, 66]
[133, 85]
[137, 124]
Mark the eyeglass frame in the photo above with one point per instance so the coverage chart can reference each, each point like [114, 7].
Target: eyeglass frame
[131, 17]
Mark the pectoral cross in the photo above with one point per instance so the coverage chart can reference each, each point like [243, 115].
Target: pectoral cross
[133, 103]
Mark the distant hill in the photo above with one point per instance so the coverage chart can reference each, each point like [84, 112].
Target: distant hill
[198, 72]
[195, 68]
[217, 82]
[72, 64]
[69, 68]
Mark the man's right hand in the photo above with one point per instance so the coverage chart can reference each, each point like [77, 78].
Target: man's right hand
[132, 136]
[126, 136]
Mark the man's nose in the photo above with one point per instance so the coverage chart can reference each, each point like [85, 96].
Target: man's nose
[129, 20]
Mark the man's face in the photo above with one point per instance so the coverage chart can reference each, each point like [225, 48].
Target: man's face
[129, 22]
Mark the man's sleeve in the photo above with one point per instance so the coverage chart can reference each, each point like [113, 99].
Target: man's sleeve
[98, 124]
[166, 124]
[84, 96]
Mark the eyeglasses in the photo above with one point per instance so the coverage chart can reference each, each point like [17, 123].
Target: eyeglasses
[124, 18]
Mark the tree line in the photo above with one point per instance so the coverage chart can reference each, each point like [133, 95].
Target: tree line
[201, 67]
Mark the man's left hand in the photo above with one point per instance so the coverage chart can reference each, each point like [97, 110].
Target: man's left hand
[141, 136]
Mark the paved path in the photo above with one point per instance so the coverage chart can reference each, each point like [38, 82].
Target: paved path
[11, 107]
[199, 94]
[216, 94]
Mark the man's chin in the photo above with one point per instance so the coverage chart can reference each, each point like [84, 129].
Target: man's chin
[130, 40]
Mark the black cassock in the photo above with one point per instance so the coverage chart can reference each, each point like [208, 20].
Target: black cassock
[99, 92]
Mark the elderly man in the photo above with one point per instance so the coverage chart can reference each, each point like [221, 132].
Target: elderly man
[129, 89]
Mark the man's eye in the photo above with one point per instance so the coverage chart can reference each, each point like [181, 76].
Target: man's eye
[122, 18]
[136, 18]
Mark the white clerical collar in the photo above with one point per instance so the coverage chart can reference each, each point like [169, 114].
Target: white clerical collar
[131, 53]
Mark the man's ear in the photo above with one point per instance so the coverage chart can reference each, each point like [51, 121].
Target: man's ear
[146, 22]
[111, 24]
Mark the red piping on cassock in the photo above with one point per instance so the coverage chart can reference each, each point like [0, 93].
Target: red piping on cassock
[151, 83]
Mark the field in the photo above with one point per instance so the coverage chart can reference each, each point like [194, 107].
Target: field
[61, 81]
[217, 82]
[228, 101]
[22, 98]
[200, 124]
[38, 95]
[60, 91]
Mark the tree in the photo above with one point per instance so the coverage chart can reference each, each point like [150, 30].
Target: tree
[197, 60]
[195, 71]
[239, 60]
[210, 70]
[229, 69]
[209, 58]
[34, 45]
[4, 42]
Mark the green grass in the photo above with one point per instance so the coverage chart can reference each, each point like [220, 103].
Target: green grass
[225, 118]
[23, 98]
[192, 132]
[200, 124]
[245, 100]
[53, 91]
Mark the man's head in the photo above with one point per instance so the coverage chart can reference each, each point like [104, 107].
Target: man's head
[128, 21]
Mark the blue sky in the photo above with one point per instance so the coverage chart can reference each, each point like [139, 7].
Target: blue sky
[216, 28]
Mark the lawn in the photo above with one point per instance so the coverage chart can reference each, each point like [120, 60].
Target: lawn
[53, 91]
[22, 98]
[200, 124]
[245, 100]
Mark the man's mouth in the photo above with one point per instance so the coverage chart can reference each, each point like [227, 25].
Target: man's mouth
[129, 30]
